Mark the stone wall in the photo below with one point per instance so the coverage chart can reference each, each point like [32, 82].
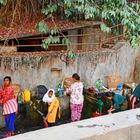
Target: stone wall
[32, 70]
[137, 70]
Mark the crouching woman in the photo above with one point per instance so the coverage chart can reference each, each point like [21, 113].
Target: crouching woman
[53, 107]
[119, 102]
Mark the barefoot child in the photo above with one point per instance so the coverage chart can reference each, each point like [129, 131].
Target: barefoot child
[53, 107]
[8, 99]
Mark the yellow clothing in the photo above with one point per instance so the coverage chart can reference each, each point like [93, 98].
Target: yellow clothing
[52, 109]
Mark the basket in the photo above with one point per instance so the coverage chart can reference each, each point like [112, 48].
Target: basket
[16, 88]
[113, 81]
[67, 82]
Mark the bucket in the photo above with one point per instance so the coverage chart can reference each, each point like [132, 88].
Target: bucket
[113, 81]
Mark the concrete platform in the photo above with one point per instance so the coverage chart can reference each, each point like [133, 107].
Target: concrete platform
[119, 126]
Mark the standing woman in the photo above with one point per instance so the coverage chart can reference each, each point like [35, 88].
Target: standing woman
[8, 99]
[76, 98]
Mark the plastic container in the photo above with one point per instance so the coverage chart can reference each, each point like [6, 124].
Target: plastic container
[120, 87]
[113, 81]
[60, 90]
[99, 84]
[26, 95]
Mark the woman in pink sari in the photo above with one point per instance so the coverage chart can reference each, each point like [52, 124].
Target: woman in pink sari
[76, 98]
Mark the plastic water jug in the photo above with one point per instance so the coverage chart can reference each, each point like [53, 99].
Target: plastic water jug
[26, 95]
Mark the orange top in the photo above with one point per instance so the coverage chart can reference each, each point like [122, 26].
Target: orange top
[53, 108]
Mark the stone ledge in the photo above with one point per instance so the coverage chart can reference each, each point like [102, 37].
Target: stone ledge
[119, 126]
[8, 49]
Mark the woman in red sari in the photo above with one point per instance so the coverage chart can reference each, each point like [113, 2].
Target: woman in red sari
[8, 100]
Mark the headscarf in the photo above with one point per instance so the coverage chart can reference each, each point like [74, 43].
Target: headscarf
[47, 99]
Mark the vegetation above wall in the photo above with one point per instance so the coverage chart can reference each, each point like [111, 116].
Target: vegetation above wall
[110, 12]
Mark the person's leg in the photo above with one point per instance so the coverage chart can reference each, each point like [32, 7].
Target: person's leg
[11, 125]
[7, 121]
[73, 108]
[79, 111]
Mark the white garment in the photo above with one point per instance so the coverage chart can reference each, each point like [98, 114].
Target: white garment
[76, 90]
[47, 99]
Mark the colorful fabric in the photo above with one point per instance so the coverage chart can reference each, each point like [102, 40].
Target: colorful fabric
[53, 109]
[8, 100]
[9, 120]
[136, 92]
[10, 107]
[76, 93]
[96, 115]
[118, 100]
[135, 101]
[76, 110]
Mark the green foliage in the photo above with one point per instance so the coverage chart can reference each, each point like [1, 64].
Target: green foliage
[42, 27]
[111, 12]
[54, 40]
[49, 10]
[50, 40]
[54, 31]
[104, 28]
[66, 41]
[3, 2]
[71, 54]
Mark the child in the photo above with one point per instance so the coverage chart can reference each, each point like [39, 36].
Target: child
[76, 98]
[53, 107]
[8, 99]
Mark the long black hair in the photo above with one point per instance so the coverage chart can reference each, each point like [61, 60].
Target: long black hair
[76, 76]
[8, 77]
[109, 94]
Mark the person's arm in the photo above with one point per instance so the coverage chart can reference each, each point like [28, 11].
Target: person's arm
[115, 106]
[6, 96]
[111, 109]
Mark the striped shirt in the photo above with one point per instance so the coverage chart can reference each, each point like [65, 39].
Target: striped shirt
[7, 98]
